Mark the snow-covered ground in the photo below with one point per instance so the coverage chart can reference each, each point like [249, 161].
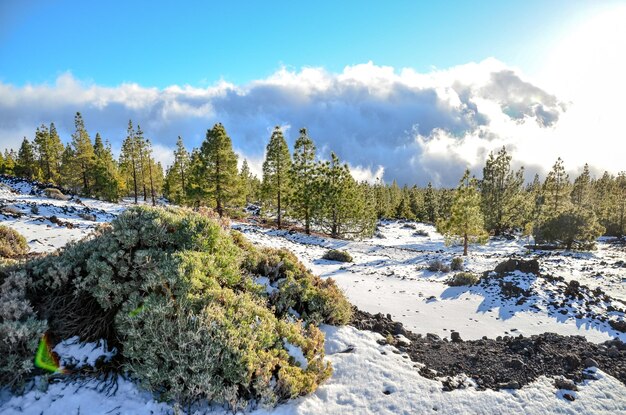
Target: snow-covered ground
[388, 275]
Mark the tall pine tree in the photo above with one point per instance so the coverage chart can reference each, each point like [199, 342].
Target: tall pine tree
[217, 176]
[466, 221]
[343, 210]
[276, 173]
[304, 197]
[177, 178]
[129, 160]
[83, 155]
[501, 189]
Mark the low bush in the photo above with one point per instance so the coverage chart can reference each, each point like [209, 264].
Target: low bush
[315, 300]
[420, 232]
[12, 244]
[437, 265]
[457, 264]
[175, 292]
[53, 193]
[337, 255]
[463, 278]
[574, 228]
[12, 211]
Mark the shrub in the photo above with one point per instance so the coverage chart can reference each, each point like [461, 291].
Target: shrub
[337, 255]
[457, 264]
[53, 193]
[12, 244]
[315, 300]
[437, 266]
[12, 211]
[20, 330]
[175, 292]
[463, 278]
[420, 232]
[34, 209]
[574, 228]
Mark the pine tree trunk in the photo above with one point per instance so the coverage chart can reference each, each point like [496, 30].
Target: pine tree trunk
[307, 223]
[278, 212]
[134, 180]
[85, 182]
[465, 242]
[152, 185]
[182, 178]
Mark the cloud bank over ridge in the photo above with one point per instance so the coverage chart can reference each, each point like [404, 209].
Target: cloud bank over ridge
[400, 124]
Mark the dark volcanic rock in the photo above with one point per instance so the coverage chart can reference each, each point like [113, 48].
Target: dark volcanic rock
[511, 265]
[506, 362]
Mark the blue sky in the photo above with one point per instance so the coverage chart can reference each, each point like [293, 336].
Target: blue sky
[409, 90]
[163, 43]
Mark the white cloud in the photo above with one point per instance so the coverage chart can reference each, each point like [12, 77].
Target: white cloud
[399, 124]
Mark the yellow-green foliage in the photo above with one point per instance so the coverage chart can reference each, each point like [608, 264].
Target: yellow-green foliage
[175, 291]
[314, 299]
[463, 278]
[337, 255]
[12, 244]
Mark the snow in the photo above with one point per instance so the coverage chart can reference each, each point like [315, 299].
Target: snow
[369, 379]
[388, 275]
[74, 354]
[296, 353]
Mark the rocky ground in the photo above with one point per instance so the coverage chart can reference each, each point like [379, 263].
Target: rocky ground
[512, 361]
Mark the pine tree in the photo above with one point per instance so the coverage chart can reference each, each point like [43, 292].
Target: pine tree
[556, 190]
[177, 180]
[276, 173]
[430, 204]
[151, 170]
[500, 191]
[107, 181]
[381, 196]
[620, 198]
[196, 178]
[603, 194]
[218, 176]
[343, 210]
[26, 161]
[581, 190]
[84, 156]
[129, 160]
[50, 150]
[1, 163]
[395, 196]
[416, 204]
[466, 220]
[251, 184]
[304, 197]
[143, 160]
[10, 158]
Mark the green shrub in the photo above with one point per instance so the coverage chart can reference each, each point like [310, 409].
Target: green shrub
[53, 193]
[315, 300]
[20, 329]
[337, 255]
[574, 228]
[463, 278]
[175, 292]
[437, 265]
[12, 244]
[457, 264]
